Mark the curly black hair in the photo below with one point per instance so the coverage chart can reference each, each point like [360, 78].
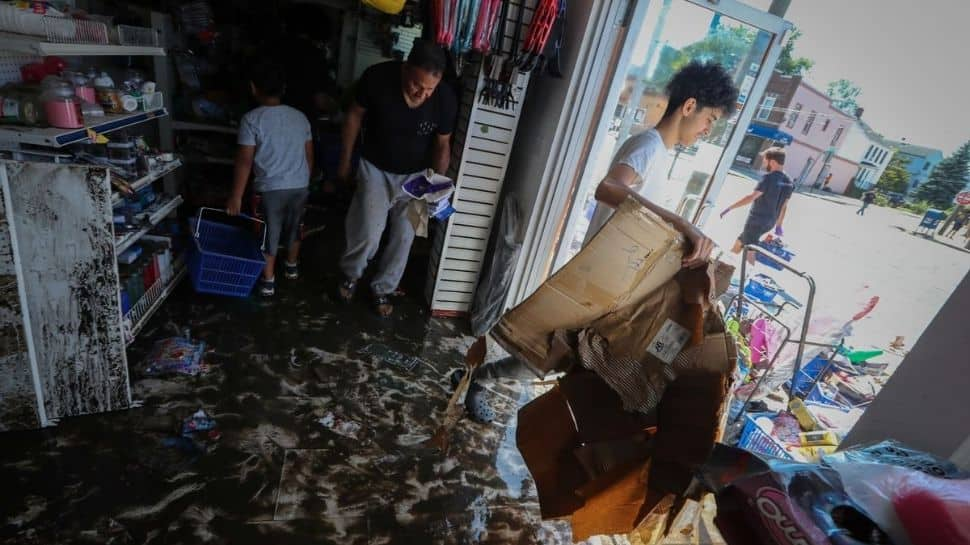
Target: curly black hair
[708, 83]
[268, 77]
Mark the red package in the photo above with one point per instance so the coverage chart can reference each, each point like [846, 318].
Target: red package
[934, 511]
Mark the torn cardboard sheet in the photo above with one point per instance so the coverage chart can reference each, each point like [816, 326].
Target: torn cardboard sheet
[632, 255]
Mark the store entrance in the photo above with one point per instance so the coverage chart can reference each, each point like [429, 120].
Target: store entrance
[665, 36]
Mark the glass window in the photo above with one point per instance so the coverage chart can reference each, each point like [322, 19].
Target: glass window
[825, 125]
[766, 107]
[793, 116]
[869, 152]
[809, 121]
[838, 133]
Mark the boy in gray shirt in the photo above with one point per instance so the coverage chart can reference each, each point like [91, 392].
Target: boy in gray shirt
[275, 145]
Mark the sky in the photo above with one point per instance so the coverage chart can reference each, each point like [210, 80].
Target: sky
[908, 57]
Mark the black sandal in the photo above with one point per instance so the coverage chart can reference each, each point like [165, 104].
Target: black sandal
[383, 301]
[347, 290]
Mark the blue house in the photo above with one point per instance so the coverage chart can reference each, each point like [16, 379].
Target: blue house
[922, 161]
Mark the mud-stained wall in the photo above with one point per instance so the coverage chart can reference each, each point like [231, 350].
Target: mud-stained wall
[18, 404]
[62, 215]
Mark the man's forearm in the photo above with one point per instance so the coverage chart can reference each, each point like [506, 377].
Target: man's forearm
[441, 159]
[348, 137]
[613, 193]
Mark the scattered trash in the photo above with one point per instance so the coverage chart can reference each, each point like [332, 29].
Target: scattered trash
[346, 428]
[441, 528]
[898, 343]
[394, 359]
[194, 435]
[176, 356]
[199, 421]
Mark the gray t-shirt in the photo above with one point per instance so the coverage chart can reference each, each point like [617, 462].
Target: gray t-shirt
[646, 154]
[280, 134]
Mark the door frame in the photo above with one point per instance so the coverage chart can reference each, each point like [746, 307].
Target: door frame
[554, 216]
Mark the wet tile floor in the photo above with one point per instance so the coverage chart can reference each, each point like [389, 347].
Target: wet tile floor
[280, 372]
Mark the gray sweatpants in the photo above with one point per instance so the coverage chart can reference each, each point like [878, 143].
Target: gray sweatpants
[379, 202]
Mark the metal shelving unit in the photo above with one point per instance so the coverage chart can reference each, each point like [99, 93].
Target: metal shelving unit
[203, 127]
[151, 177]
[153, 219]
[34, 45]
[56, 138]
[142, 311]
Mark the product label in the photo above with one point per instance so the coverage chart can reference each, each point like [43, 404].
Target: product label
[669, 341]
[9, 108]
[772, 508]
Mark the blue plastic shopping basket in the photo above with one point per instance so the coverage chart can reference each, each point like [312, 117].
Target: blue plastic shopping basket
[225, 259]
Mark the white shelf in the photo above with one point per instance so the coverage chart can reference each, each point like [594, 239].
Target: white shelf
[154, 218]
[153, 299]
[164, 170]
[208, 160]
[34, 45]
[54, 137]
[203, 127]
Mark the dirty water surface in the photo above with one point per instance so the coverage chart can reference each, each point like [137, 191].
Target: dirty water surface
[320, 413]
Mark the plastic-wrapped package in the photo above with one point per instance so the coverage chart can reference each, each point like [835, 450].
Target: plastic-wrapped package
[176, 355]
[489, 303]
[880, 494]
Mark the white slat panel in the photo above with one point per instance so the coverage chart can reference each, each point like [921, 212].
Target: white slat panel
[474, 195]
[455, 252]
[473, 266]
[495, 133]
[481, 184]
[468, 243]
[482, 170]
[496, 120]
[448, 297]
[473, 207]
[480, 161]
[480, 145]
[461, 276]
[448, 306]
[456, 286]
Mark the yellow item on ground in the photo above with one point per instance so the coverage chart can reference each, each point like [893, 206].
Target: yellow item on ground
[392, 7]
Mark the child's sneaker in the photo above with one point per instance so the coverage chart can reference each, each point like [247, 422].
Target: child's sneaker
[291, 270]
[267, 288]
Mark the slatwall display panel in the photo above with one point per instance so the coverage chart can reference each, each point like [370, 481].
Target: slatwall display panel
[481, 149]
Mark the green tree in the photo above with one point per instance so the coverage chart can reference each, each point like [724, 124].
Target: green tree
[725, 46]
[844, 94]
[788, 63]
[947, 179]
[895, 178]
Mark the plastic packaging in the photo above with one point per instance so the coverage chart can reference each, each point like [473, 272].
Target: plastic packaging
[805, 418]
[176, 355]
[489, 302]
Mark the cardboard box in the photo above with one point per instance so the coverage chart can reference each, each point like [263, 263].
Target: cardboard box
[633, 254]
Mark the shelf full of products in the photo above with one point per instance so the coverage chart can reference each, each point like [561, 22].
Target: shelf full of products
[145, 283]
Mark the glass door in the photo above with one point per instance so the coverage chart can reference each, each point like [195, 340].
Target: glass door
[666, 35]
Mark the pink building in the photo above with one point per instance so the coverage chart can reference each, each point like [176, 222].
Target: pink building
[818, 130]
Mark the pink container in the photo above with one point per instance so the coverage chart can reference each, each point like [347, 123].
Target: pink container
[86, 94]
[64, 113]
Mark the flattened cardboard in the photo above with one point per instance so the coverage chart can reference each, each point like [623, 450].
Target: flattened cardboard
[633, 254]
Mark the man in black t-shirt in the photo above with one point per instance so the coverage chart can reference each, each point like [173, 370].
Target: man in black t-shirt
[770, 200]
[407, 121]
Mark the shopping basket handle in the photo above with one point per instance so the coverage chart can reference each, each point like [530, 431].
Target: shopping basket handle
[241, 215]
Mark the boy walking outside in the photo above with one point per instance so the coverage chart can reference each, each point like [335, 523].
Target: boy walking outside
[276, 146]
[770, 200]
[867, 199]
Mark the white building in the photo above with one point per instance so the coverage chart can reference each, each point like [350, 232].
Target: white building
[868, 148]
